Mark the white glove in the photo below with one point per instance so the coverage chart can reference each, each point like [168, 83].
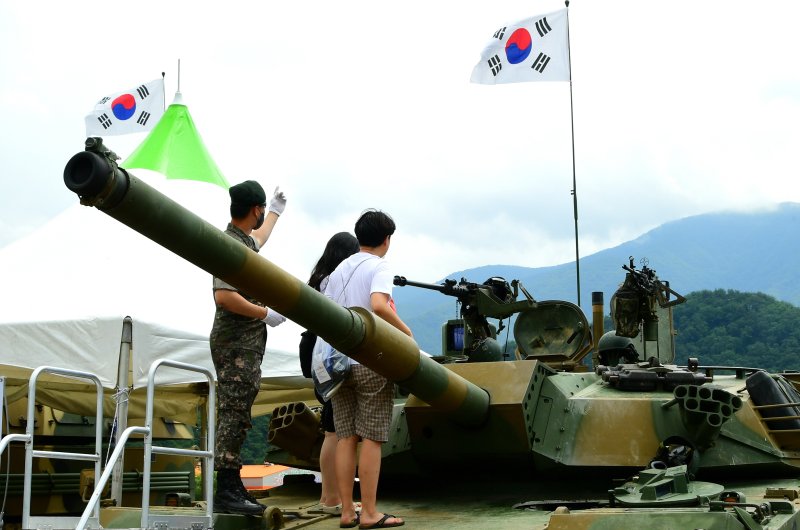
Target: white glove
[274, 318]
[278, 202]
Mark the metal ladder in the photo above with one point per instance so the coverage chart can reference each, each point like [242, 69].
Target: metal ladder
[90, 517]
[164, 521]
[56, 521]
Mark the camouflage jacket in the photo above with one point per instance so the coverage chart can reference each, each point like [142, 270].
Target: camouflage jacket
[236, 331]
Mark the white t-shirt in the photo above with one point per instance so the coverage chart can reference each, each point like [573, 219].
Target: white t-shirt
[355, 279]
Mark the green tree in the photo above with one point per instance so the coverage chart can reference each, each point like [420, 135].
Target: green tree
[255, 447]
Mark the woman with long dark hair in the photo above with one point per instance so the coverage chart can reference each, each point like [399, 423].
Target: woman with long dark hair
[339, 247]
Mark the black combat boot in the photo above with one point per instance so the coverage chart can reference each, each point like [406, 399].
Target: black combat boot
[246, 494]
[228, 498]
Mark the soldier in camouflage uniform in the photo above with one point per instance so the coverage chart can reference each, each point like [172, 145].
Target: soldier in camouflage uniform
[238, 340]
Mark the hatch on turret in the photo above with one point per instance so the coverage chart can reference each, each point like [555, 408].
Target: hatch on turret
[554, 332]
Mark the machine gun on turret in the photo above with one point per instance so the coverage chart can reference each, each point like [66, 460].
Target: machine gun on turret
[635, 303]
[472, 335]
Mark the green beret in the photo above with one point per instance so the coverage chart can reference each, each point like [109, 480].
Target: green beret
[248, 193]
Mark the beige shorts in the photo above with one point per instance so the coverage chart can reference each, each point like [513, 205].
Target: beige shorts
[363, 405]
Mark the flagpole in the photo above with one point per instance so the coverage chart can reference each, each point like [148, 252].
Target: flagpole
[178, 98]
[574, 184]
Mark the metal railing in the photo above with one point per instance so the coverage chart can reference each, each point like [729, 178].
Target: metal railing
[31, 453]
[92, 511]
[149, 449]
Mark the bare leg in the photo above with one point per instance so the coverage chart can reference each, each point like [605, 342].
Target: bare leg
[327, 466]
[345, 475]
[369, 469]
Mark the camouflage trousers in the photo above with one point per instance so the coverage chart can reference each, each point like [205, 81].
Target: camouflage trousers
[238, 381]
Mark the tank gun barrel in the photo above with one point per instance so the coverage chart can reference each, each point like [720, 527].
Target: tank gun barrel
[95, 177]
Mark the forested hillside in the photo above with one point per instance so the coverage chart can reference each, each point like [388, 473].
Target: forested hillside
[734, 328]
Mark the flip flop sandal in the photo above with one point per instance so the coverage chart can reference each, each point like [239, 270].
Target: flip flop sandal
[351, 524]
[382, 523]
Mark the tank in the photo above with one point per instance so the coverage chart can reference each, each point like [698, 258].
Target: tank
[639, 442]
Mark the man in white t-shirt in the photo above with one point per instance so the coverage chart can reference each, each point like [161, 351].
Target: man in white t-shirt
[362, 407]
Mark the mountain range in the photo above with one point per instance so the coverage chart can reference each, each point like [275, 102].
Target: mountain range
[750, 252]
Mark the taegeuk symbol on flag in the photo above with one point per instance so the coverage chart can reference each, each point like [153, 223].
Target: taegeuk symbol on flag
[534, 49]
[135, 110]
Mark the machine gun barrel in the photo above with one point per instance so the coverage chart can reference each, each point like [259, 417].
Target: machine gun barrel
[450, 287]
[95, 177]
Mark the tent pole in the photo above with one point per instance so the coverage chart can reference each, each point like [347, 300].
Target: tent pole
[121, 416]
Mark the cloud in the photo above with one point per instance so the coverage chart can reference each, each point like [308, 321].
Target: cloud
[677, 111]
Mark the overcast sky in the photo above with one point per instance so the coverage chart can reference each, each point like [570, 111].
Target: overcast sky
[680, 108]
